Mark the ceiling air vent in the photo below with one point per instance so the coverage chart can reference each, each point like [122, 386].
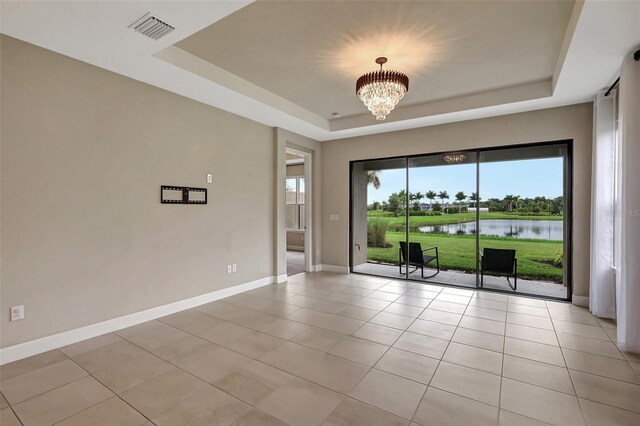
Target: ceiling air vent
[151, 27]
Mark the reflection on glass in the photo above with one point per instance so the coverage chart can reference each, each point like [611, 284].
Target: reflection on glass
[517, 228]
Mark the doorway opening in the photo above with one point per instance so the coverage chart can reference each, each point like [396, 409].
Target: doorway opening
[296, 212]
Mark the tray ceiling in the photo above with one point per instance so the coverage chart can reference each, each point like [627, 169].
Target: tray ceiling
[310, 53]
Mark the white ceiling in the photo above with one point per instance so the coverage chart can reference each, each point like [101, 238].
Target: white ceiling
[598, 35]
[311, 53]
[293, 159]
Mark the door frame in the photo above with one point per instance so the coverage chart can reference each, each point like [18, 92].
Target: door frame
[568, 210]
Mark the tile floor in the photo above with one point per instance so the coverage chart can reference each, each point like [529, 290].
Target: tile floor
[451, 277]
[295, 262]
[337, 349]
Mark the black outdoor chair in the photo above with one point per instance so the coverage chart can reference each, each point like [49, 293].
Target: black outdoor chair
[499, 262]
[417, 257]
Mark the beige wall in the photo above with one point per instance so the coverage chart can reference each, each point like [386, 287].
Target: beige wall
[295, 170]
[84, 236]
[572, 122]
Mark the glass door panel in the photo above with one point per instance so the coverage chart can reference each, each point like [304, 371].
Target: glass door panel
[522, 226]
[441, 221]
[378, 216]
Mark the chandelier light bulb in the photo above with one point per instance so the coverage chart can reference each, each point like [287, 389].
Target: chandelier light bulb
[381, 90]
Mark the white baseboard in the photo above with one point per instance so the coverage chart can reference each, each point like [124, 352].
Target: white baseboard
[334, 268]
[281, 278]
[580, 300]
[295, 248]
[44, 344]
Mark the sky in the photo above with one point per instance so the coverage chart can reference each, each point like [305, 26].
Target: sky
[526, 178]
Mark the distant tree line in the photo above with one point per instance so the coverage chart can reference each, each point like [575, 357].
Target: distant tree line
[396, 202]
[536, 205]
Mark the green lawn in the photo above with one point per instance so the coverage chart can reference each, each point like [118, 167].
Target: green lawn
[445, 219]
[456, 252]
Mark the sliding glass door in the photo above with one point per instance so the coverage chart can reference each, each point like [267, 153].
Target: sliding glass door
[492, 218]
[378, 216]
[441, 231]
[522, 199]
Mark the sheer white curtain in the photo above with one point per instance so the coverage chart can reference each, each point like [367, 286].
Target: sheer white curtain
[602, 295]
[628, 255]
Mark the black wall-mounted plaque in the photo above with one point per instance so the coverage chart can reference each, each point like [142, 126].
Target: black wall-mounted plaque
[182, 195]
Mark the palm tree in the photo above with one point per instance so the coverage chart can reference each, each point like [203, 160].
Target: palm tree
[509, 200]
[373, 178]
[516, 198]
[460, 196]
[541, 203]
[415, 198]
[443, 196]
[475, 199]
[431, 196]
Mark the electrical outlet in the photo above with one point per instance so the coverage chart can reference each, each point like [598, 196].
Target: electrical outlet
[209, 178]
[229, 270]
[234, 267]
[17, 313]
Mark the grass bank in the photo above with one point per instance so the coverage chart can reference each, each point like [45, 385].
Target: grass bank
[446, 219]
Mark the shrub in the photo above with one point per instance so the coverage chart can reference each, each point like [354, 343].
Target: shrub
[425, 213]
[559, 258]
[379, 213]
[377, 232]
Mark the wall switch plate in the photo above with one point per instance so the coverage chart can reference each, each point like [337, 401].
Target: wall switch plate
[209, 178]
[234, 268]
[229, 270]
[17, 313]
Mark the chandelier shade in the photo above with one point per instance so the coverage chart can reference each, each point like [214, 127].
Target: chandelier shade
[381, 90]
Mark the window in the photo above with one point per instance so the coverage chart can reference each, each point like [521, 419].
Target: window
[294, 211]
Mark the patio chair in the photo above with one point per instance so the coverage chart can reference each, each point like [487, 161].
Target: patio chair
[500, 262]
[417, 258]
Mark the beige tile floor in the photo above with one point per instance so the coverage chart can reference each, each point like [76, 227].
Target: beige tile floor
[337, 349]
[451, 277]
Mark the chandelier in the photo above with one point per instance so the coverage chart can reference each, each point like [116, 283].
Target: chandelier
[381, 90]
[454, 157]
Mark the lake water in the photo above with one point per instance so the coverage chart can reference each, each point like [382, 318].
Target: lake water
[534, 229]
